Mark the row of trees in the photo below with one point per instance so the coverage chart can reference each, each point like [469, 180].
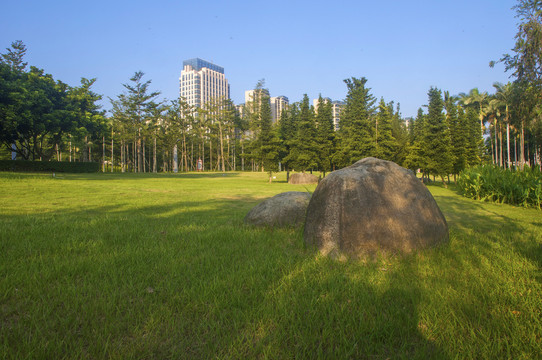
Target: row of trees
[43, 119]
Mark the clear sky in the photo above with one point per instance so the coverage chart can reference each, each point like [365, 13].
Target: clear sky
[401, 47]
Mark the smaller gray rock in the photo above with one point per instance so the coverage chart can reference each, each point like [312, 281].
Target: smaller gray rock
[285, 209]
[302, 178]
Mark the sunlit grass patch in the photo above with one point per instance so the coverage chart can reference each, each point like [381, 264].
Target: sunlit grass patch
[162, 266]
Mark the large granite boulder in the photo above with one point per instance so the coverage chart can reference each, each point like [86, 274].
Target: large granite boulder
[285, 209]
[373, 206]
[302, 178]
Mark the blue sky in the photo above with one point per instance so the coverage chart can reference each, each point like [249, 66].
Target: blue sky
[401, 47]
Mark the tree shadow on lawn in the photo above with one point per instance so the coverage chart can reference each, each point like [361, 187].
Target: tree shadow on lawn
[188, 279]
[324, 308]
[466, 216]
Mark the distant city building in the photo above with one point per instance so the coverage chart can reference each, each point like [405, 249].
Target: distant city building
[240, 109]
[315, 103]
[202, 81]
[278, 104]
[255, 96]
[336, 109]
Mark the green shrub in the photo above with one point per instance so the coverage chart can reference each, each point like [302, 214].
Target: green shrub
[49, 166]
[491, 183]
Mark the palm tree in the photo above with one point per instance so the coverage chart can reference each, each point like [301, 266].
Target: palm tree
[478, 100]
[504, 97]
[492, 112]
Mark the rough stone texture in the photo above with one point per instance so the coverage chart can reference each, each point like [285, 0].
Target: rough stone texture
[373, 206]
[302, 178]
[285, 209]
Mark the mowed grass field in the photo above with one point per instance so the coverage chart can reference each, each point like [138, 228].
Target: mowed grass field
[127, 266]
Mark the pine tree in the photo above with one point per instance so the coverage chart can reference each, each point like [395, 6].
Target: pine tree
[474, 139]
[304, 152]
[385, 143]
[268, 141]
[416, 155]
[287, 132]
[437, 137]
[455, 117]
[14, 56]
[356, 131]
[400, 134]
[325, 134]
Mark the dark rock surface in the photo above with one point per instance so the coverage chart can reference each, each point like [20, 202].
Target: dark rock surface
[373, 206]
[285, 209]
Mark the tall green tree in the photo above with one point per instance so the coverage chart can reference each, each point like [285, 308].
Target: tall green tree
[385, 143]
[455, 117]
[37, 112]
[437, 137]
[400, 133]
[268, 141]
[504, 97]
[14, 58]
[325, 134]
[525, 62]
[304, 150]
[355, 137]
[288, 126]
[415, 158]
[138, 104]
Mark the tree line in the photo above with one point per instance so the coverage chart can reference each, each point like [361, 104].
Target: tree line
[45, 119]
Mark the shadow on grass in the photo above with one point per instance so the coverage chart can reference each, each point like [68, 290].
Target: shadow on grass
[188, 280]
[329, 309]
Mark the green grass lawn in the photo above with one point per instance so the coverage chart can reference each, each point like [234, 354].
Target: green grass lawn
[162, 267]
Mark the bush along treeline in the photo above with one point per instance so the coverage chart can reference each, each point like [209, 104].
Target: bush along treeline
[492, 183]
[44, 119]
[49, 166]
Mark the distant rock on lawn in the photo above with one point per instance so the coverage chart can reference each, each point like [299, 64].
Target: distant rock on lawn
[302, 178]
[285, 209]
[370, 207]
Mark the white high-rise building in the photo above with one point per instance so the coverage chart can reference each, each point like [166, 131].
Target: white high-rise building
[255, 96]
[336, 109]
[202, 81]
[278, 104]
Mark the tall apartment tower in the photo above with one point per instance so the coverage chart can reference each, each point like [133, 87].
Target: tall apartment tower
[202, 81]
[336, 109]
[255, 96]
[278, 104]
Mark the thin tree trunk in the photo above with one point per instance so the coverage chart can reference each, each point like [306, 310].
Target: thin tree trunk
[222, 148]
[496, 144]
[522, 144]
[134, 156]
[112, 150]
[501, 161]
[175, 163]
[122, 161]
[154, 165]
[515, 152]
[144, 162]
[103, 154]
[508, 142]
